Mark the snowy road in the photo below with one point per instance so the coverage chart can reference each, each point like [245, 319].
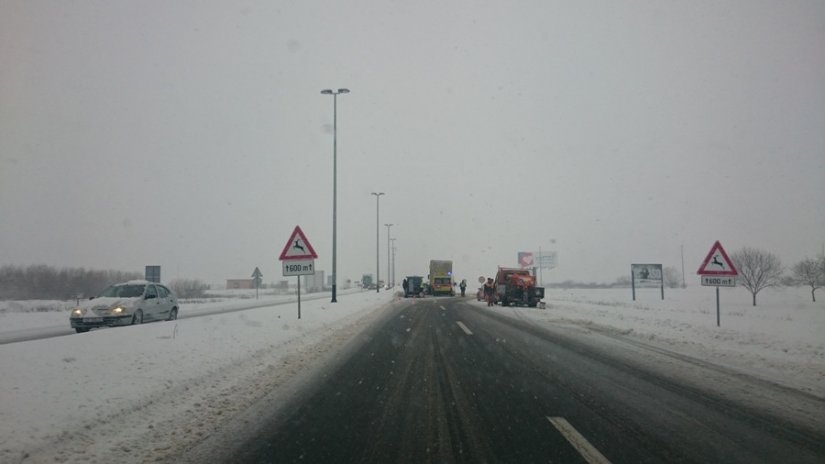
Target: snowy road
[598, 364]
[451, 381]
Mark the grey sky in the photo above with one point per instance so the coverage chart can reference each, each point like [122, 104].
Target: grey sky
[193, 134]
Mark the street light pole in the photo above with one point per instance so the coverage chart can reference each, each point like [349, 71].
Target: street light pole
[389, 273]
[392, 280]
[334, 183]
[377, 228]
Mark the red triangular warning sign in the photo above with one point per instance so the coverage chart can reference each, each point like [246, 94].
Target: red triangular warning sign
[717, 263]
[298, 247]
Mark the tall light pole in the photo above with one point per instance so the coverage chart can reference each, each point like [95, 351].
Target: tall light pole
[392, 279]
[334, 182]
[389, 269]
[377, 262]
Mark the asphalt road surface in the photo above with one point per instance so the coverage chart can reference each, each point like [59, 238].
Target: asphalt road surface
[447, 380]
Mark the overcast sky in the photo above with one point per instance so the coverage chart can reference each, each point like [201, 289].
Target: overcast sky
[193, 135]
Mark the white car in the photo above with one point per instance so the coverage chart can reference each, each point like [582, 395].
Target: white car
[127, 303]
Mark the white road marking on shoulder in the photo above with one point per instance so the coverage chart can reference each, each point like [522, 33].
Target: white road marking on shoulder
[587, 451]
[464, 327]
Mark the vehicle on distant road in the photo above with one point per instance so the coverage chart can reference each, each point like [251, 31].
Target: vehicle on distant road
[441, 277]
[518, 287]
[413, 286]
[127, 303]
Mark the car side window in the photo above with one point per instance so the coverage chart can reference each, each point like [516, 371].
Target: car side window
[151, 292]
[162, 291]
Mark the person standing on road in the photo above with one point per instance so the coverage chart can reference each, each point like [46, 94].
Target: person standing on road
[463, 286]
[489, 292]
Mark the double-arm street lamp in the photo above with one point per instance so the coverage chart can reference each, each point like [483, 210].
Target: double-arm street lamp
[389, 273]
[377, 265]
[334, 180]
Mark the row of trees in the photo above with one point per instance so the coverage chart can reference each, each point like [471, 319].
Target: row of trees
[188, 288]
[760, 269]
[43, 282]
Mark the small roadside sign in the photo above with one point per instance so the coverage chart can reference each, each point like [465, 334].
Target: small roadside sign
[298, 247]
[256, 275]
[718, 281]
[717, 263]
[298, 258]
[717, 270]
[294, 267]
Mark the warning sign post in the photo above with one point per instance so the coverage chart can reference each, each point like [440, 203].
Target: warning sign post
[298, 258]
[717, 270]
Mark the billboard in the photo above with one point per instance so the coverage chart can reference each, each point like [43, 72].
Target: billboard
[540, 259]
[647, 275]
[525, 259]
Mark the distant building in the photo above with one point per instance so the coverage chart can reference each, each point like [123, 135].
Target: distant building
[240, 283]
[314, 283]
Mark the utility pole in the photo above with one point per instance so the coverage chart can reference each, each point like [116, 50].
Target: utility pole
[377, 240]
[389, 269]
[392, 280]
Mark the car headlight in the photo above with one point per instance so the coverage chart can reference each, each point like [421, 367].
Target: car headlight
[77, 312]
[118, 310]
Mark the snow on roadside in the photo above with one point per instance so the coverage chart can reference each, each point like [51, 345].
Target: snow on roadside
[144, 393]
[782, 339]
[139, 393]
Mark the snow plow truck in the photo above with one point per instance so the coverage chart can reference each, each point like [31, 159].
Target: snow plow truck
[517, 286]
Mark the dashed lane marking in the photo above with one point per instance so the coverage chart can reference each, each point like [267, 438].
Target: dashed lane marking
[587, 451]
[464, 327]
[443, 308]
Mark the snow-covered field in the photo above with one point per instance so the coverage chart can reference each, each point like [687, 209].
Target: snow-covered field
[143, 393]
[782, 339]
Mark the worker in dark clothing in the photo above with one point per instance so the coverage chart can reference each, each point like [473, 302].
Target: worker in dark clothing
[490, 292]
[463, 286]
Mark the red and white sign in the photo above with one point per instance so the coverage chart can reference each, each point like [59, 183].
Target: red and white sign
[298, 247]
[717, 263]
[525, 259]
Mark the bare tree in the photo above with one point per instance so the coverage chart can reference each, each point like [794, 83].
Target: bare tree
[622, 281]
[758, 269]
[810, 272]
[43, 282]
[189, 288]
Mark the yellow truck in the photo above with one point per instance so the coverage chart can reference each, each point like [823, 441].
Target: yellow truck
[441, 277]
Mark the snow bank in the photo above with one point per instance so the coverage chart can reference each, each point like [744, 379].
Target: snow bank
[782, 339]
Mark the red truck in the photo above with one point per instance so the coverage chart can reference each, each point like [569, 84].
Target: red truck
[517, 286]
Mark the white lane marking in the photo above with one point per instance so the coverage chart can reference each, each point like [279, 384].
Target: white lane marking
[443, 308]
[588, 451]
[464, 327]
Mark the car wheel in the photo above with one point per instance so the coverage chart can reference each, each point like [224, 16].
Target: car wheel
[173, 314]
[80, 330]
[137, 318]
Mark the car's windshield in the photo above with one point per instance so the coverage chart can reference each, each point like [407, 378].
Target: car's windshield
[124, 291]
